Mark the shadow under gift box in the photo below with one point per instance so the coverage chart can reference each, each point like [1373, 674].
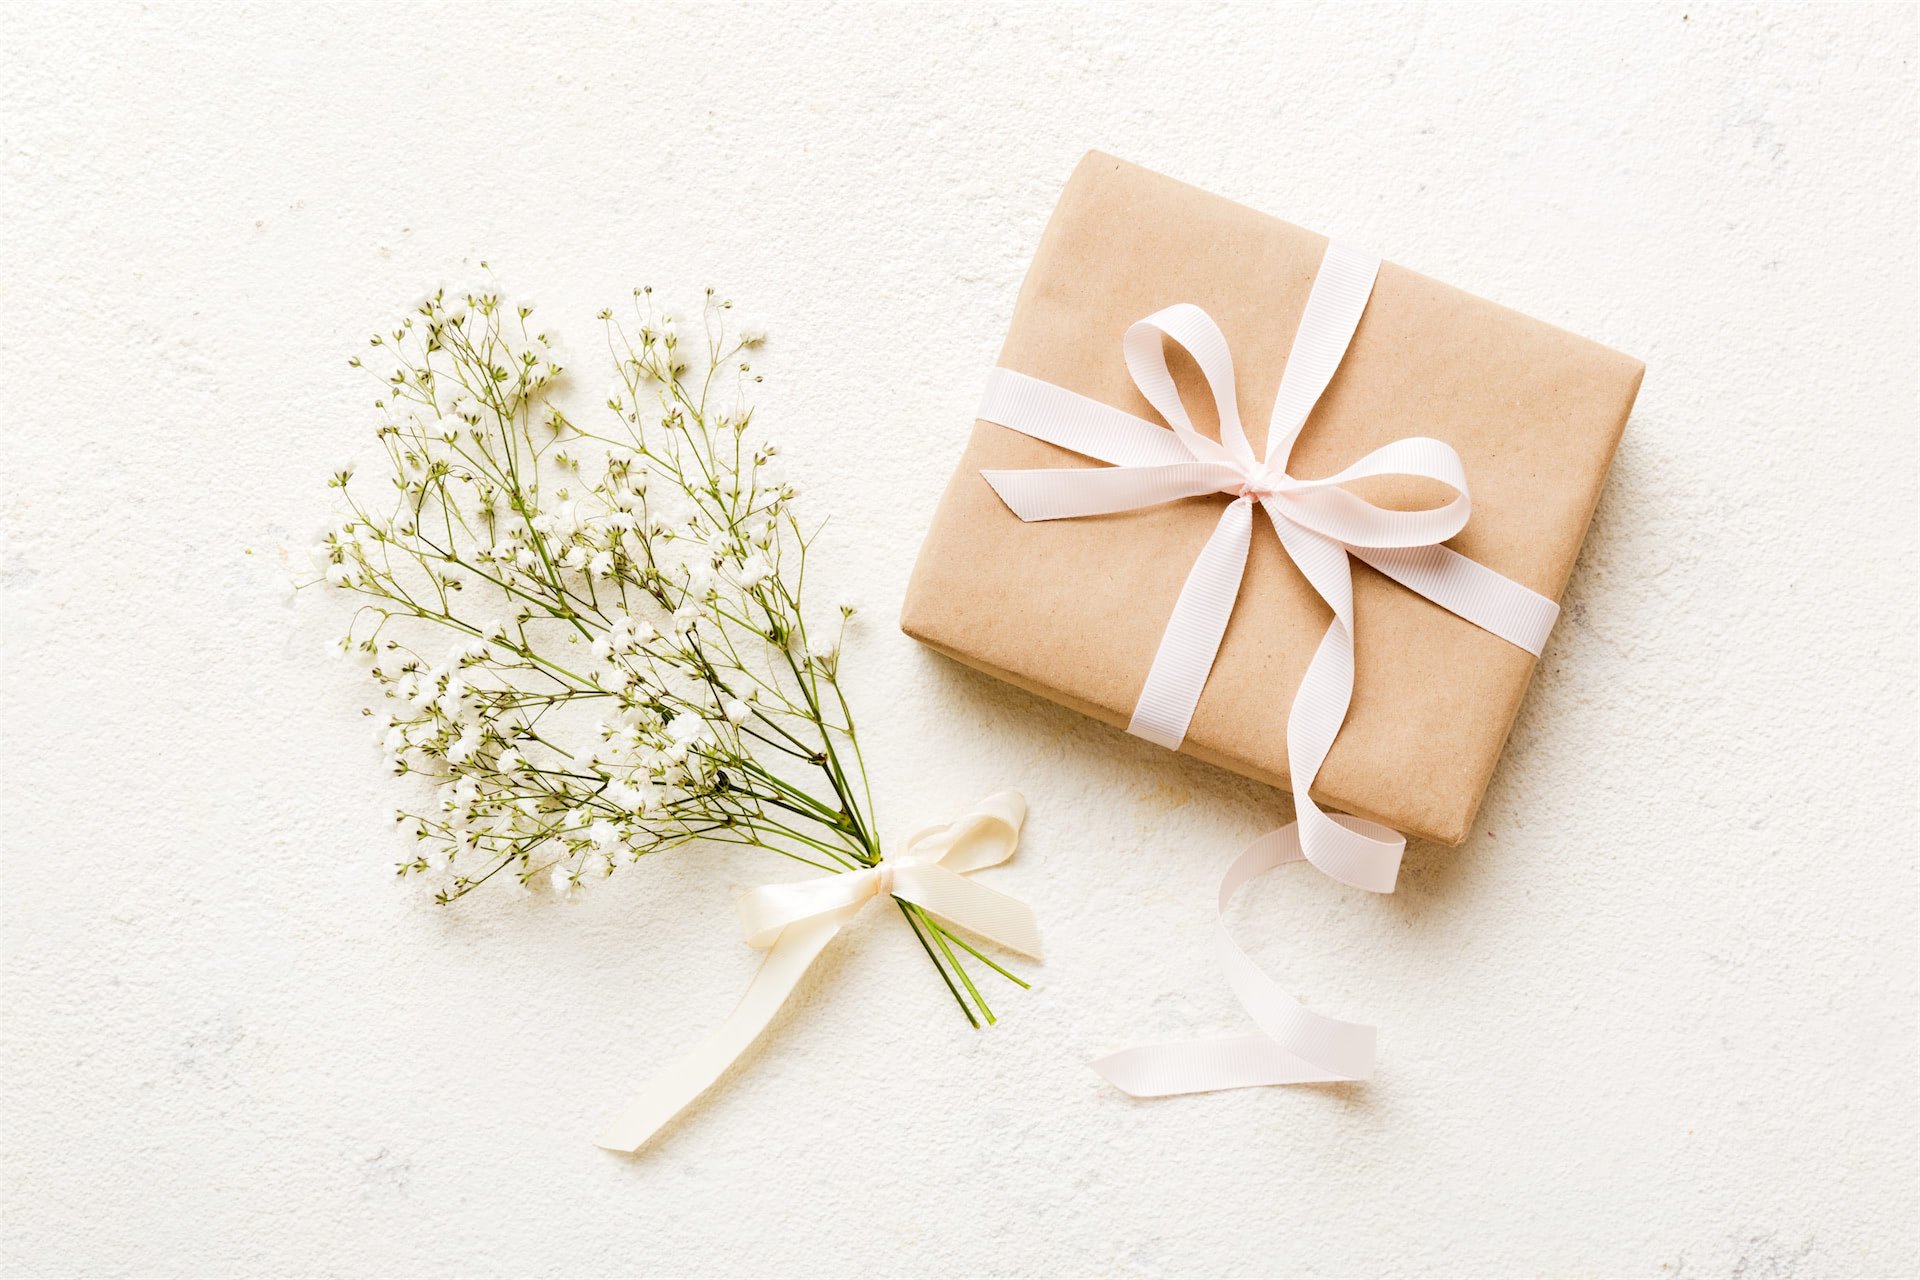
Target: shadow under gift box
[1073, 609]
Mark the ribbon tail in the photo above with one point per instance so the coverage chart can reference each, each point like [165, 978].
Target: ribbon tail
[1192, 639]
[995, 916]
[669, 1092]
[1296, 1045]
[1204, 1066]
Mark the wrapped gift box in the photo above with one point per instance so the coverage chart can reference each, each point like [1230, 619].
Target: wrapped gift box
[1073, 609]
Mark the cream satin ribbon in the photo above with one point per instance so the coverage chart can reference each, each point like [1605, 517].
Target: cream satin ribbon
[1320, 524]
[798, 920]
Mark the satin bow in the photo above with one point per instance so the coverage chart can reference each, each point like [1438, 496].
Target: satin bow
[1320, 524]
[794, 922]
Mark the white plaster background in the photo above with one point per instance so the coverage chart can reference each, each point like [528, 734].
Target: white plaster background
[1657, 1018]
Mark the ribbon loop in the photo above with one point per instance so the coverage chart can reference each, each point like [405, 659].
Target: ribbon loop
[794, 922]
[1321, 524]
[1146, 356]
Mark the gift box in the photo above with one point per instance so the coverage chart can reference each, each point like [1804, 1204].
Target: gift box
[1075, 609]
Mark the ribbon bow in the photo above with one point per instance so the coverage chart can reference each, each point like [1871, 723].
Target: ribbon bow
[1320, 524]
[794, 923]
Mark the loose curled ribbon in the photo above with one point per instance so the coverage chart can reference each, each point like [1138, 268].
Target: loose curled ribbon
[1320, 524]
[796, 921]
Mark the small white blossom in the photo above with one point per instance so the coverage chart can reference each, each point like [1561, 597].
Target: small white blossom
[754, 571]
[687, 729]
[735, 710]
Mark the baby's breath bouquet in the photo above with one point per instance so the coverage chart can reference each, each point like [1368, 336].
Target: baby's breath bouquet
[591, 637]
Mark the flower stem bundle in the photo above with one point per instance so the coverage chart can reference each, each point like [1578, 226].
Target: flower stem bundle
[591, 637]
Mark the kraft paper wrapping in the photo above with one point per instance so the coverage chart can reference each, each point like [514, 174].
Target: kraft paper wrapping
[1073, 609]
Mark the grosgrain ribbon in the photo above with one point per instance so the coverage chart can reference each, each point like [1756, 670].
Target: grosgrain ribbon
[798, 920]
[1320, 524]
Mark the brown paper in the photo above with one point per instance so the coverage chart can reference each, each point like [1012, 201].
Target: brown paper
[1073, 609]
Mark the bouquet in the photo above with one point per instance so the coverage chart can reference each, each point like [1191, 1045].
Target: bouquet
[592, 638]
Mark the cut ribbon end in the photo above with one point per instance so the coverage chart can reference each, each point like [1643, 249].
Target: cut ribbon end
[794, 923]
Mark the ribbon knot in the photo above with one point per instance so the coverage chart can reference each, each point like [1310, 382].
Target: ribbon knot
[1320, 523]
[794, 922]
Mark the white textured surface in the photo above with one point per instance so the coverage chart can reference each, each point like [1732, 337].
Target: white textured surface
[1658, 1019]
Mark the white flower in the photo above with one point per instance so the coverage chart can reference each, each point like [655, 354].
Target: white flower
[635, 799]
[754, 571]
[846, 607]
[575, 558]
[602, 565]
[735, 710]
[465, 745]
[604, 834]
[686, 729]
[562, 882]
[339, 575]
[752, 335]
[510, 761]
